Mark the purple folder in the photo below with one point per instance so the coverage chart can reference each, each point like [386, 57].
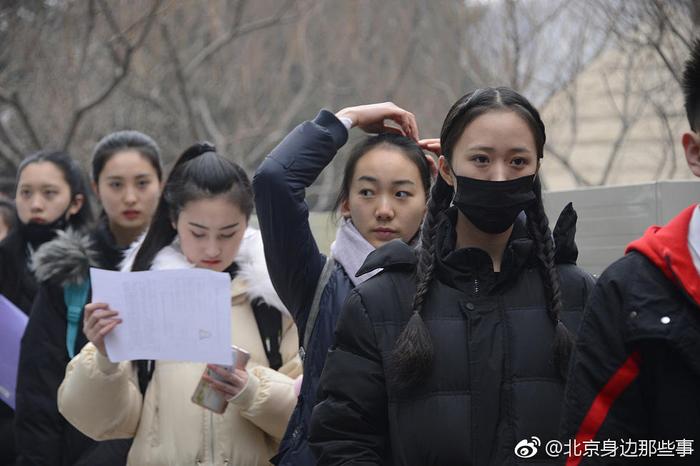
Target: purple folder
[12, 325]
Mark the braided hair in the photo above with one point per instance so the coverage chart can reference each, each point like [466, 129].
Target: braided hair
[412, 355]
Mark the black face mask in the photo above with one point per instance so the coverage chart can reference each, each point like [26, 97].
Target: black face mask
[493, 206]
[37, 234]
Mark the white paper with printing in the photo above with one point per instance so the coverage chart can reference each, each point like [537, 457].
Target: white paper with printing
[175, 315]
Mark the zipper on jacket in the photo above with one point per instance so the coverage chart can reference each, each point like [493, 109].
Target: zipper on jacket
[211, 437]
[476, 287]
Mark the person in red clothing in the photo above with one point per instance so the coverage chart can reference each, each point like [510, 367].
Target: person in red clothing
[635, 372]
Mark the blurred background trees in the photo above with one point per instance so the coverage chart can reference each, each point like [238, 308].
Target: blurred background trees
[242, 73]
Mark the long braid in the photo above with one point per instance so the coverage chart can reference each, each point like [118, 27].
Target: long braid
[412, 356]
[538, 225]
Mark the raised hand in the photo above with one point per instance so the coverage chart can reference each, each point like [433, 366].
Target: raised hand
[371, 118]
[431, 145]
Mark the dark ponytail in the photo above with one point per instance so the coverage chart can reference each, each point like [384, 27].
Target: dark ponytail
[538, 226]
[198, 173]
[412, 356]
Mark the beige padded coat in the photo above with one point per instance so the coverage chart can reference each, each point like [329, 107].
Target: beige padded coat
[102, 399]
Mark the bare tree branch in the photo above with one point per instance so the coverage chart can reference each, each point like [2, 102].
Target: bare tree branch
[117, 33]
[8, 137]
[672, 25]
[669, 65]
[9, 152]
[181, 83]
[669, 147]
[123, 71]
[291, 110]
[514, 37]
[239, 31]
[13, 100]
[409, 53]
[578, 177]
[209, 123]
[628, 118]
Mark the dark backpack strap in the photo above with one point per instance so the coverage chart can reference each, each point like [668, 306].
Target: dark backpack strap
[144, 369]
[323, 279]
[269, 322]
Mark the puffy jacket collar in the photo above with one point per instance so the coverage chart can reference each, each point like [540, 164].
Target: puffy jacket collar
[459, 266]
[66, 259]
[250, 266]
[667, 248]
[394, 254]
[111, 253]
[565, 249]
[471, 269]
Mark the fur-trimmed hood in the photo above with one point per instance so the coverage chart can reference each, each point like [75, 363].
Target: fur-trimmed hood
[250, 260]
[66, 259]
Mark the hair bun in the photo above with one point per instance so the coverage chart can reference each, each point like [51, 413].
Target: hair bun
[206, 146]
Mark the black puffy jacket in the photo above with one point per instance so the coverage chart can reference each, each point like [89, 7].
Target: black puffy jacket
[17, 283]
[635, 371]
[43, 435]
[295, 262]
[493, 382]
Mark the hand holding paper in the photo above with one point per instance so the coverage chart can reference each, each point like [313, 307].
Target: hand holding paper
[98, 321]
[178, 315]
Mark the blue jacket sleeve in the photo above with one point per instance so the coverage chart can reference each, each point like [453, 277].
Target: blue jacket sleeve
[293, 258]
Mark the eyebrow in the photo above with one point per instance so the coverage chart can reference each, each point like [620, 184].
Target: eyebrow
[372, 179]
[207, 228]
[41, 186]
[119, 177]
[491, 149]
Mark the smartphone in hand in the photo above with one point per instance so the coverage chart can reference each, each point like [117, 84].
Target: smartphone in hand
[211, 399]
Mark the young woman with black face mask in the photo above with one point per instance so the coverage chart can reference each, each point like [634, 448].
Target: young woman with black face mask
[456, 354]
[51, 195]
[126, 177]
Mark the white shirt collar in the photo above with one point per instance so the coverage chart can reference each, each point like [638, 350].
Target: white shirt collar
[694, 237]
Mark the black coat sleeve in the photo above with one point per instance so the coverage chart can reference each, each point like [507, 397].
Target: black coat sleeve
[39, 427]
[604, 396]
[349, 425]
[293, 258]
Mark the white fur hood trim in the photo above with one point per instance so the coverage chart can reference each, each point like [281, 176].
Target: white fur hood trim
[250, 260]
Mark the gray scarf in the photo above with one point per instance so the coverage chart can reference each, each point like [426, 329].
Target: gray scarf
[350, 249]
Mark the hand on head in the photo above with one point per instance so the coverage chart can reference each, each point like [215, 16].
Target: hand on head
[371, 118]
[98, 321]
[431, 145]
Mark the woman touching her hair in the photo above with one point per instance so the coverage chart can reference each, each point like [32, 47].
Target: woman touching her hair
[455, 354]
[382, 197]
